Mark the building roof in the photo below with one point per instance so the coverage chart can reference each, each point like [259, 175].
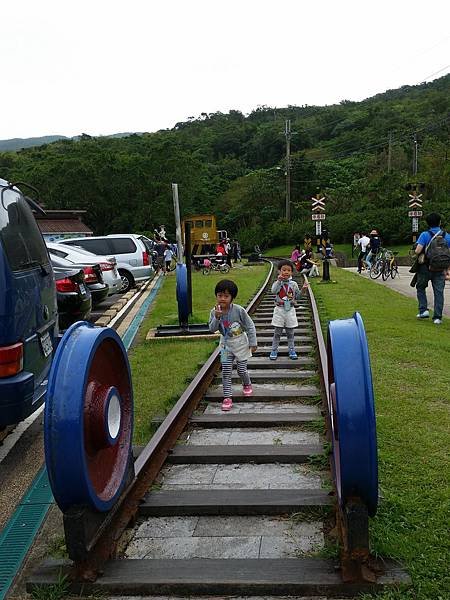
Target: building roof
[63, 226]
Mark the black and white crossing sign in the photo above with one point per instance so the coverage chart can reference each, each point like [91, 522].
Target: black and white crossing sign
[415, 200]
[415, 225]
[318, 217]
[318, 203]
[415, 213]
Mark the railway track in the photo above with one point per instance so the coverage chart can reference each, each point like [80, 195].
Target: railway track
[241, 503]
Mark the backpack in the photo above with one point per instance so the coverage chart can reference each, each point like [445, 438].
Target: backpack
[437, 252]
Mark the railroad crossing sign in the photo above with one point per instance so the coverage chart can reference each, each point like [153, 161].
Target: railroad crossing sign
[415, 213]
[415, 200]
[318, 203]
[415, 225]
[318, 217]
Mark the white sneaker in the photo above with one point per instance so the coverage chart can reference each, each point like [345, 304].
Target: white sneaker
[424, 315]
[437, 321]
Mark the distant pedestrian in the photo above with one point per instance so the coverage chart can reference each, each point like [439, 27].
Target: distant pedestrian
[373, 247]
[433, 260]
[363, 242]
[356, 237]
[295, 254]
[168, 255]
[160, 249]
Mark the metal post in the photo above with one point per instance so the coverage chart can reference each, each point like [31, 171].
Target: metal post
[415, 155]
[326, 270]
[390, 152]
[187, 253]
[176, 210]
[288, 169]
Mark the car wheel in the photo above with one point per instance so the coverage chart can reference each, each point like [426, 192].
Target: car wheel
[127, 281]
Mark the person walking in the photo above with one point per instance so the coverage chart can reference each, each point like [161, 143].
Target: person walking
[363, 242]
[286, 292]
[168, 255]
[356, 237]
[238, 339]
[433, 261]
[295, 254]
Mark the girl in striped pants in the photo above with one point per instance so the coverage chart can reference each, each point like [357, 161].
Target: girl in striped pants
[238, 340]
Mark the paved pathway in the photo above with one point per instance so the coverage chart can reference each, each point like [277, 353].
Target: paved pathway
[401, 284]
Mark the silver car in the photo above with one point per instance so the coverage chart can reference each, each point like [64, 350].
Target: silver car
[78, 255]
[133, 260]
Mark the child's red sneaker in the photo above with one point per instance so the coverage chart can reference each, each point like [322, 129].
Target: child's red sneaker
[248, 390]
[227, 404]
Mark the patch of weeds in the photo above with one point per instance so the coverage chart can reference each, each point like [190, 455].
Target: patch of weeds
[319, 461]
[57, 548]
[277, 441]
[310, 513]
[318, 426]
[58, 590]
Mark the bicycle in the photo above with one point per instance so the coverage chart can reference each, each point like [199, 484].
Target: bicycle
[390, 266]
[377, 266]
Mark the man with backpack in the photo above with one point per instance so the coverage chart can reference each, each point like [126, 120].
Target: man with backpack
[433, 257]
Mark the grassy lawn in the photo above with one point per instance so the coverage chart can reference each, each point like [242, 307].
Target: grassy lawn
[346, 249]
[161, 369]
[410, 365]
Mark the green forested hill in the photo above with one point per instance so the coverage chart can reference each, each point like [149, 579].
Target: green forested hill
[233, 165]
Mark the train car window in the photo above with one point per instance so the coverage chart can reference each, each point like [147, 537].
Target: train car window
[208, 223]
[199, 223]
[21, 237]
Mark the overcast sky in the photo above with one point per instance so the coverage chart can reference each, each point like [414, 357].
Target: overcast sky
[106, 66]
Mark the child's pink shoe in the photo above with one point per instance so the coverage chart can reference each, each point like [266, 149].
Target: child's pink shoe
[227, 404]
[248, 390]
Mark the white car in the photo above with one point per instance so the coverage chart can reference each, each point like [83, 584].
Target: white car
[78, 255]
[133, 260]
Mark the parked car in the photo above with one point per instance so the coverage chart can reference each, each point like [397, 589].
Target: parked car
[28, 309]
[93, 279]
[73, 295]
[133, 261]
[79, 256]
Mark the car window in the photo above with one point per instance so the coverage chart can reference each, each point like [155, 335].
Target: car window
[19, 233]
[92, 245]
[57, 252]
[122, 245]
[147, 243]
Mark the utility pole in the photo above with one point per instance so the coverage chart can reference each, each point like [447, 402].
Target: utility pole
[390, 152]
[287, 133]
[415, 155]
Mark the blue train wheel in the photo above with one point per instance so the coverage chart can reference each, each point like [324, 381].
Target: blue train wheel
[182, 294]
[88, 421]
[352, 411]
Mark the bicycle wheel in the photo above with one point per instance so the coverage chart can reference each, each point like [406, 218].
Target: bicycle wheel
[206, 270]
[224, 268]
[385, 272]
[375, 270]
[394, 272]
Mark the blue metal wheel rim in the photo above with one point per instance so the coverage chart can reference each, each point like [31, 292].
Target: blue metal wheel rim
[64, 419]
[353, 421]
[182, 294]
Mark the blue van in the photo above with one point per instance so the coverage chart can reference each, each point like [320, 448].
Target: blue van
[28, 309]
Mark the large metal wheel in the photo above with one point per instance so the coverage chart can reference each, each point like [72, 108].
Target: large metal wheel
[182, 294]
[352, 411]
[88, 422]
